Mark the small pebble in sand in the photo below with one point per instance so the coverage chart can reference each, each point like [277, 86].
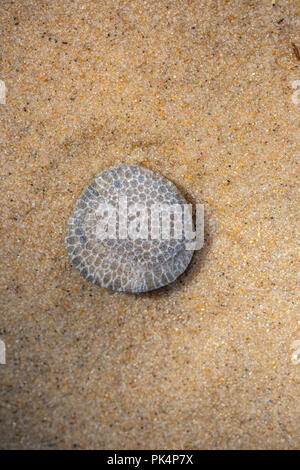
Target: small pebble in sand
[128, 259]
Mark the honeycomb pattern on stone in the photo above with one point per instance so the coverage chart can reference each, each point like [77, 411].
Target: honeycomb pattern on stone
[125, 264]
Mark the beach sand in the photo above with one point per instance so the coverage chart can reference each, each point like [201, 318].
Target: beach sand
[206, 93]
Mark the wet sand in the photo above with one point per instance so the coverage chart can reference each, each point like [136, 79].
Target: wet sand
[202, 92]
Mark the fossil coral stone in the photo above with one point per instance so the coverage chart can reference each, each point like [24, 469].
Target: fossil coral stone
[137, 263]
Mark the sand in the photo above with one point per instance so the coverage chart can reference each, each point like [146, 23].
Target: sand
[207, 94]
